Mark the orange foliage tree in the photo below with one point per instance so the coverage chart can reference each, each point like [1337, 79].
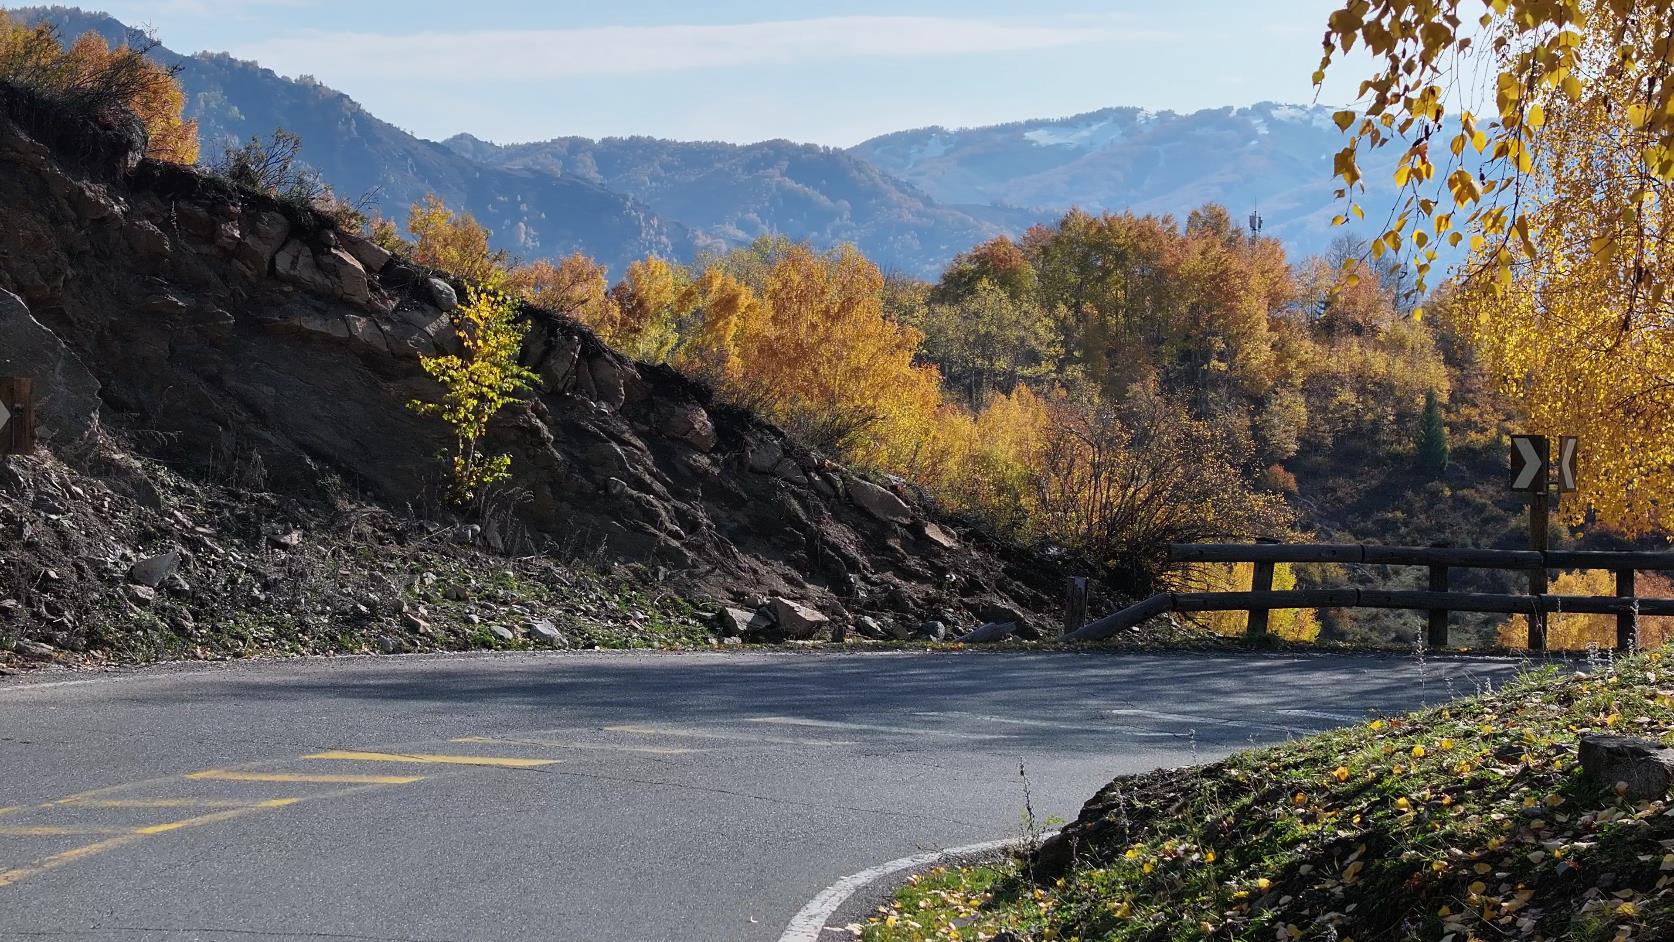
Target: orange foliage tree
[107, 85]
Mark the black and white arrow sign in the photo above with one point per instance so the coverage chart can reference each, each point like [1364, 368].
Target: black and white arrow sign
[1530, 455]
[5, 416]
[1566, 463]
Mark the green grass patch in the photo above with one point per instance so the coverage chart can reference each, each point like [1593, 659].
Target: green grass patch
[1470, 821]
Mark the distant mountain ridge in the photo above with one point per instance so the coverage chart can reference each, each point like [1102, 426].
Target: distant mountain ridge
[532, 214]
[1270, 158]
[734, 193]
[910, 200]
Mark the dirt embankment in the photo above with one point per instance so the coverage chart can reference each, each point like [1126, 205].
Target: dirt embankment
[243, 344]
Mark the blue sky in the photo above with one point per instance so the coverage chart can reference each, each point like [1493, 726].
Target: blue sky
[740, 70]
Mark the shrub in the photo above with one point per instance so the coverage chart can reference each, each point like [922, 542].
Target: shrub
[276, 168]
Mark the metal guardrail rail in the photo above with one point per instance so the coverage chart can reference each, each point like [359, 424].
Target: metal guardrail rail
[1438, 601]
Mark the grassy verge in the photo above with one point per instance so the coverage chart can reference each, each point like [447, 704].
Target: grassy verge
[1465, 822]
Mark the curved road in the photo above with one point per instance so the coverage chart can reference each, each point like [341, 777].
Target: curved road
[587, 796]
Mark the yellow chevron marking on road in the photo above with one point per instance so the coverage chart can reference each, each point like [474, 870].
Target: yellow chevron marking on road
[161, 803]
[54, 830]
[8, 877]
[432, 758]
[223, 775]
[213, 817]
[612, 747]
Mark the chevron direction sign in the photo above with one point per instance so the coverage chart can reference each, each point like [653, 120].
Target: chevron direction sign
[1534, 466]
[1531, 459]
[1565, 462]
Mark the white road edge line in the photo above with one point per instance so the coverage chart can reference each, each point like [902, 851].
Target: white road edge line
[807, 924]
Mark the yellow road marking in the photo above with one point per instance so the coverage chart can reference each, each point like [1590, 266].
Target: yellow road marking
[213, 817]
[8, 877]
[11, 809]
[223, 775]
[420, 757]
[680, 732]
[161, 803]
[654, 750]
[53, 830]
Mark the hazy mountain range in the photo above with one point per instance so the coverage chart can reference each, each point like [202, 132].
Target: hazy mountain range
[910, 200]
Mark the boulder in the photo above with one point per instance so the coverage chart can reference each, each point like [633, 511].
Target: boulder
[66, 394]
[153, 571]
[544, 631]
[991, 632]
[689, 423]
[761, 623]
[34, 649]
[798, 622]
[442, 294]
[348, 280]
[932, 631]
[868, 627]
[938, 536]
[1639, 769]
[733, 622]
[878, 501]
[501, 632]
[370, 255]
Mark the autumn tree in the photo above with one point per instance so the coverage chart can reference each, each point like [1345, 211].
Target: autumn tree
[454, 242]
[477, 383]
[987, 340]
[576, 288]
[651, 299]
[1560, 194]
[110, 86]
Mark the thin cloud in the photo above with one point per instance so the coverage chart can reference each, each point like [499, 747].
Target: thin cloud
[623, 50]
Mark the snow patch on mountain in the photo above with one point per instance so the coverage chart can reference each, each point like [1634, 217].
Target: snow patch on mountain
[1095, 134]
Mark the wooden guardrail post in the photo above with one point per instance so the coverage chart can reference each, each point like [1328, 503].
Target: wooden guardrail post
[17, 430]
[1261, 580]
[1436, 636]
[1627, 623]
[1075, 604]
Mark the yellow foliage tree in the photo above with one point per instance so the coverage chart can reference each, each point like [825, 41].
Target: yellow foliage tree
[1562, 197]
[476, 384]
[1291, 624]
[651, 298]
[1572, 632]
[455, 243]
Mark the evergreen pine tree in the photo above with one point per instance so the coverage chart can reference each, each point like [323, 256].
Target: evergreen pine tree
[1432, 437]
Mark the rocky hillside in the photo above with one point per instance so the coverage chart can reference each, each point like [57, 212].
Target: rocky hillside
[532, 214]
[1269, 157]
[242, 342]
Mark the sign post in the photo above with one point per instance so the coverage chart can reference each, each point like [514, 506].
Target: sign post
[17, 415]
[1531, 471]
[1543, 475]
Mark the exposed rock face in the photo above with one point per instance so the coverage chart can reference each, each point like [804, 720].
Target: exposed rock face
[67, 395]
[300, 346]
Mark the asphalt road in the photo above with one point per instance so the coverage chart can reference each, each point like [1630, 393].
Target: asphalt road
[618, 797]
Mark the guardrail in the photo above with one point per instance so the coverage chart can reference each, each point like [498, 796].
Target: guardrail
[1438, 601]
